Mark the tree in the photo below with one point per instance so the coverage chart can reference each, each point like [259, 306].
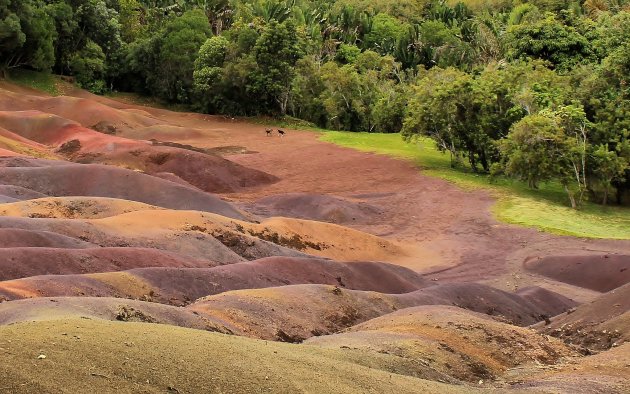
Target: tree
[27, 35]
[99, 23]
[89, 68]
[431, 115]
[68, 35]
[166, 61]
[389, 110]
[208, 74]
[276, 52]
[306, 92]
[462, 114]
[604, 91]
[548, 39]
[385, 32]
[576, 128]
[347, 53]
[550, 145]
[131, 20]
[609, 167]
[341, 97]
[535, 150]
[11, 35]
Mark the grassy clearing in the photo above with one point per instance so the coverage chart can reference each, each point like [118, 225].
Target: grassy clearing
[546, 209]
[36, 80]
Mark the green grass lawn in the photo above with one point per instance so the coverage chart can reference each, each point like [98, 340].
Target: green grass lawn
[36, 80]
[546, 208]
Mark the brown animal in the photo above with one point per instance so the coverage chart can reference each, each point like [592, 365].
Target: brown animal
[281, 132]
[268, 131]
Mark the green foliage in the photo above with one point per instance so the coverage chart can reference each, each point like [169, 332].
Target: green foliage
[276, 52]
[535, 150]
[347, 53]
[548, 39]
[464, 115]
[525, 13]
[131, 26]
[166, 61]
[88, 66]
[27, 35]
[384, 33]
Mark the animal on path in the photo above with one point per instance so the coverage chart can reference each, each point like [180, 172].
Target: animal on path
[268, 131]
[281, 132]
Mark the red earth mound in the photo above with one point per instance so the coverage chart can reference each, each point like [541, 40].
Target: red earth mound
[89, 285]
[316, 207]
[147, 229]
[294, 313]
[180, 286]
[30, 162]
[12, 144]
[606, 372]
[190, 244]
[37, 127]
[86, 112]
[8, 153]
[596, 272]
[19, 238]
[207, 172]
[279, 271]
[24, 262]
[513, 308]
[73, 207]
[5, 199]
[105, 181]
[114, 309]
[7, 137]
[597, 325]
[552, 303]
[19, 193]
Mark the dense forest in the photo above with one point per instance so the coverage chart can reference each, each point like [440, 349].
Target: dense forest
[533, 90]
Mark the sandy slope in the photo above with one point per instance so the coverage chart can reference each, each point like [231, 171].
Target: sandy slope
[597, 325]
[167, 282]
[88, 356]
[448, 341]
[72, 207]
[294, 313]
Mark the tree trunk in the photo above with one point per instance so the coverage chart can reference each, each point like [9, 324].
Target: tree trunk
[571, 197]
[605, 199]
[484, 161]
[473, 162]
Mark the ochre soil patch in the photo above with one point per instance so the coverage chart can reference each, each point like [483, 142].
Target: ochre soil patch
[446, 342]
